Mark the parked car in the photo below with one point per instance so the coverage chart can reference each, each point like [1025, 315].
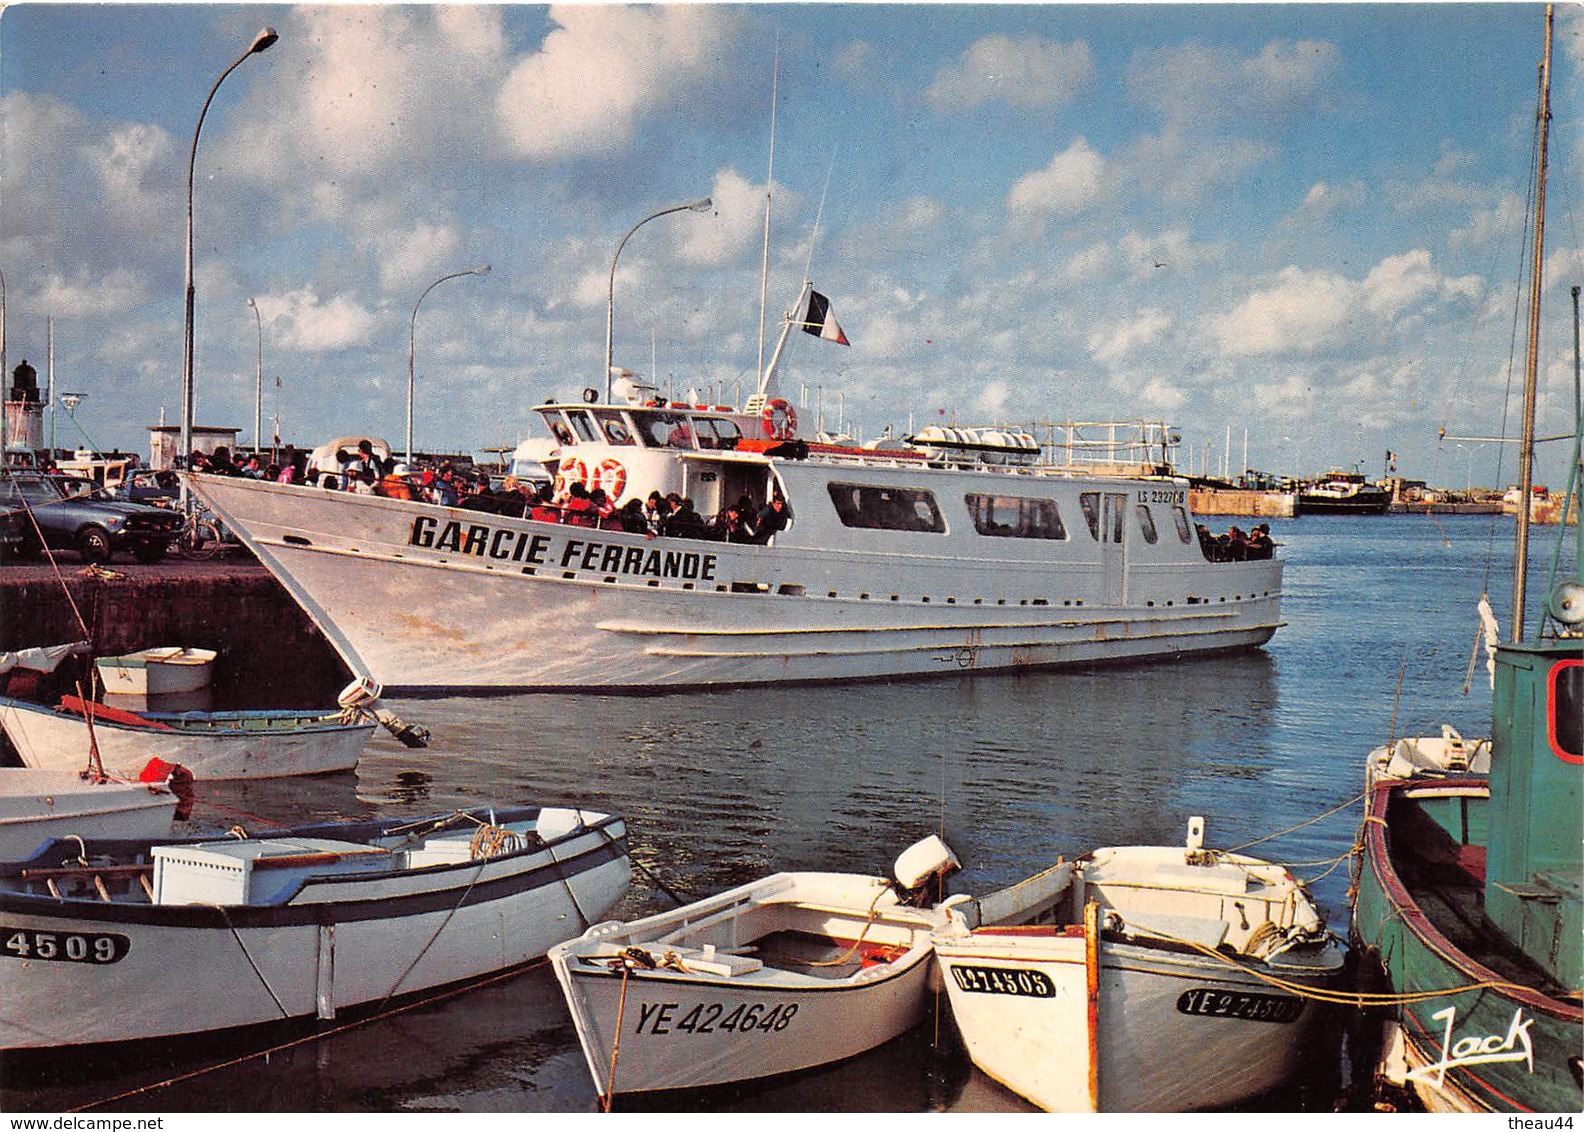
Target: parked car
[75, 514]
[148, 486]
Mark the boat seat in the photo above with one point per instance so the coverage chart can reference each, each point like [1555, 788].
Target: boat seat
[1189, 929]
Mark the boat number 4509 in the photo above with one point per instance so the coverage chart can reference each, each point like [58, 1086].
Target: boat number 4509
[662, 1018]
[67, 947]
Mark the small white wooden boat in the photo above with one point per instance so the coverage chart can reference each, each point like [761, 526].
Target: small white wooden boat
[783, 974]
[1162, 980]
[123, 941]
[157, 672]
[36, 805]
[212, 745]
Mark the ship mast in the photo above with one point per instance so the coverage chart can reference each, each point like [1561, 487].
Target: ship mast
[1532, 359]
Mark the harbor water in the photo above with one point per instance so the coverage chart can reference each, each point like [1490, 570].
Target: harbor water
[720, 788]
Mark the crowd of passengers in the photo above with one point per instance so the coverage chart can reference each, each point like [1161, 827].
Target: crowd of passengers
[577, 505]
[1235, 546]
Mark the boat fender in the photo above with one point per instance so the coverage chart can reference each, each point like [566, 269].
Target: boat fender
[780, 419]
[612, 477]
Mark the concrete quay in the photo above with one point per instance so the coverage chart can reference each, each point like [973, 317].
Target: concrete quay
[270, 652]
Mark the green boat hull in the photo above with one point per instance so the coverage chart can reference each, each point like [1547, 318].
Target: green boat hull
[1508, 1047]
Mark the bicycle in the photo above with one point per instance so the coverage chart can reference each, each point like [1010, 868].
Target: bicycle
[199, 538]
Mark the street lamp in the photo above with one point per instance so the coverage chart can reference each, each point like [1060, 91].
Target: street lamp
[1468, 490]
[258, 401]
[412, 339]
[610, 306]
[261, 42]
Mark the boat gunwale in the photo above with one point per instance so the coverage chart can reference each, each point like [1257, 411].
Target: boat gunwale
[1415, 920]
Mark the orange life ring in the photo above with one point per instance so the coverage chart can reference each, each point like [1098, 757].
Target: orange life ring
[780, 419]
[570, 471]
[612, 477]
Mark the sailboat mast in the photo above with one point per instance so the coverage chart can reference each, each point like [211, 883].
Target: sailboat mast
[1532, 358]
[764, 270]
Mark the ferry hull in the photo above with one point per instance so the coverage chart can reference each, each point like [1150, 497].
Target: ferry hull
[426, 598]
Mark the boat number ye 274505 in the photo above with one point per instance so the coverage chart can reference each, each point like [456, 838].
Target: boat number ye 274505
[503, 544]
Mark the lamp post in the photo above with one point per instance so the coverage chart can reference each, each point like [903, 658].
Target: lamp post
[261, 42]
[1468, 490]
[412, 340]
[258, 395]
[610, 306]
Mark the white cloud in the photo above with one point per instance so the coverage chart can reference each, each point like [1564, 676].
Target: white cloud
[89, 296]
[1302, 311]
[1025, 72]
[306, 322]
[601, 71]
[1074, 180]
[725, 234]
[1195, 84]
[1308, 311]
[1144, 329]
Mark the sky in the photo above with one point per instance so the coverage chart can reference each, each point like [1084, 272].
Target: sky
[1300, 228]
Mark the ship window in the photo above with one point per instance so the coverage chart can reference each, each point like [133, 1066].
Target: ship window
[1567, 710]
[1146, 523]
[886, 508]
[714, 432]
[1090, 502]
[662, 430]
[1184, 528]
[1009, 516]
[615, 428]
[585, 427]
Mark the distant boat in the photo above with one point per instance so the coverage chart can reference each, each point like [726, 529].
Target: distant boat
[136, 940]
[1343, 493]
[1162, 980]
[1467, 901]
[157, 671]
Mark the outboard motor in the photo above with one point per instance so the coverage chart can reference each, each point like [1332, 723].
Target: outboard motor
[930, 859]
[358, 700]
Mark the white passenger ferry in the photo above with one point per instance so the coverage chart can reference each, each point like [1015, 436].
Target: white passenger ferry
[958, 549]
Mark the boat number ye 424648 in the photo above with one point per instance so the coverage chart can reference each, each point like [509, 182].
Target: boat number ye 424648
[661, 1018]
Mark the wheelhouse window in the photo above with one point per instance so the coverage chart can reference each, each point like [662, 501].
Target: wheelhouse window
[716, 432]
[587, 434]
[1146, 523]
[887, 508]
[1184, 527]
[664, 430]
[1011, 516]
[1567, 710]
[613, 426]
